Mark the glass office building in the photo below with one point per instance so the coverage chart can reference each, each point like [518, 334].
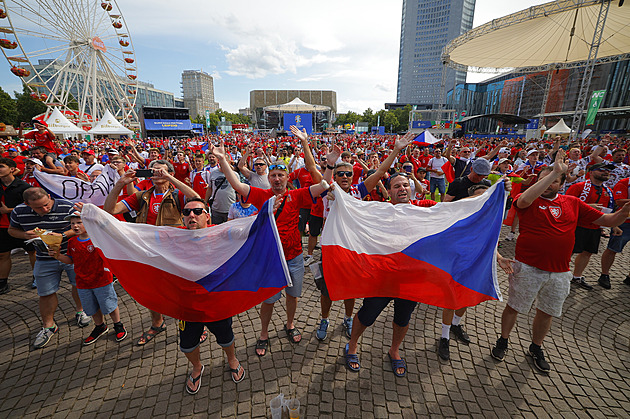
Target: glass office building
[426, 27]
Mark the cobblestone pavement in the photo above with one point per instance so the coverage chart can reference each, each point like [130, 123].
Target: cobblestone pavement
[588, 349]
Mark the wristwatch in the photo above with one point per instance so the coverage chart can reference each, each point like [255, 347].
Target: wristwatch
[64, 236]
[330, 167]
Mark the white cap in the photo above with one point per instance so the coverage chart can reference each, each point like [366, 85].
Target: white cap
[34, 160]
[532, 151]
[504, 150]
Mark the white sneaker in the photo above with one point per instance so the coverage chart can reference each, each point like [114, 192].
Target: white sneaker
[509, 237]
[308, 260]
[83, 319]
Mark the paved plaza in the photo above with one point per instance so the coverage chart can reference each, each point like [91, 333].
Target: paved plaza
[589, 351]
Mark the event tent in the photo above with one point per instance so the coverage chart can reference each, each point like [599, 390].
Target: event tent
[109, 125]
[559, 128]
[59, 124]
[296, 105]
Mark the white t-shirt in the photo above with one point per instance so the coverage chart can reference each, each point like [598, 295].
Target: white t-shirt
[436, 164]
[89, 168]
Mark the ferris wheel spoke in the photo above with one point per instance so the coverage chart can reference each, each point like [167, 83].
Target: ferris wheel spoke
[49, 51]
[117, 63]
[30, 32]
[50, 26]
[55, 22]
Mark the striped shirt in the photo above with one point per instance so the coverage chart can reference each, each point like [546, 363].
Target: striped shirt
[24, 218]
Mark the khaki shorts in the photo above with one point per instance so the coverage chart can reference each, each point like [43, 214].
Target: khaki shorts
[549, 289]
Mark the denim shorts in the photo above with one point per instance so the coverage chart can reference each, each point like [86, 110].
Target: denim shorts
[47, 275]
[95, 299]
[617, 243]
[437, 183]
[296, 270]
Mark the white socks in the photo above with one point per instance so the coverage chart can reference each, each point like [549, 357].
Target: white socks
[446, 331]
[456, 320]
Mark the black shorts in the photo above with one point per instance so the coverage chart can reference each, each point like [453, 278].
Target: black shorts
[8, 242]
[373, 306]
[190, 333]
[587, 240]
[305, 215]
[315, 224]
[320, 283]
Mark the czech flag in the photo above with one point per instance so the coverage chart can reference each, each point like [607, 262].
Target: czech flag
[425, 139]
[449, 171]
[194, 275]
[444, 256]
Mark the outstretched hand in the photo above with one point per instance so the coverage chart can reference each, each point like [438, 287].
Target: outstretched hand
[302, 135]
[333, 156]
[404, 141]
[559, 166]
[218, 150]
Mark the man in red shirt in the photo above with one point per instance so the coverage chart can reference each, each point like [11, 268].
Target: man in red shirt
[182, 167]
[587, 236]
[287, 217]
[18, 159]
[621, 195]
[42, 135]
[543, 253]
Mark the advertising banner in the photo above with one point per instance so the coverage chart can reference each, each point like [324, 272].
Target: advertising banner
[208, 118]
[300, 120]
[533, 124]
[421, 124]
[168, 124]
[596, 101]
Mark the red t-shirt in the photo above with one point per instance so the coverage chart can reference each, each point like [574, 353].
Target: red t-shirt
[287, 222]
[182, 170]
[31, 180]
[144, 185]
[547, 231]
[592, 198]
[88, 264]
[199, 184]
[19, 161]
[622, 191]
[131, 202]
[44, 139]
[424, 160]
[357, 170]
[303, 176]
[426, 203]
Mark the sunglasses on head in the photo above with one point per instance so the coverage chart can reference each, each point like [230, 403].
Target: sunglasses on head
[403, 174]
[278, 167]
[196, 211]
[341, 173]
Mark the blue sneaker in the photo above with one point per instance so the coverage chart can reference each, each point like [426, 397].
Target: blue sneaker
[321, 330]
[347, 326]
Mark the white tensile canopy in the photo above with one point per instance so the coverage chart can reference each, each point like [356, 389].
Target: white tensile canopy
[109, 125]
[555, 32]
[296, 105]
[59, 124]
[559, 128]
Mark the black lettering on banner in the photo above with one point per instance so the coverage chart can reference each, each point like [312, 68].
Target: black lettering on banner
[97, 186]
[69, 187]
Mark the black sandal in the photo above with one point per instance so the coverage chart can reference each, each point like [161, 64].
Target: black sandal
[292, 334]
[148, 336]
[262, 344]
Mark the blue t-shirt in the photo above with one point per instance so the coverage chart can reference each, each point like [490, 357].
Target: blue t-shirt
[237, 211]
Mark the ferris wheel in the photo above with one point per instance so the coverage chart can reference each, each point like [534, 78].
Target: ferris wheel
[76, 55]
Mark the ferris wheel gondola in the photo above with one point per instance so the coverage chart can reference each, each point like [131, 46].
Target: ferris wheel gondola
[76, 55]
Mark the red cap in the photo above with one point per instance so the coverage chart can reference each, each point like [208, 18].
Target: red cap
[88, 152]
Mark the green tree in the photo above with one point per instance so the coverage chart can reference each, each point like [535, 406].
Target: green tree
[27, 107]
[8, 108]
[390, 122]
[368, 116]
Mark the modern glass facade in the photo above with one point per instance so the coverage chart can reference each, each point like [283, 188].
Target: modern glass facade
[426, 27]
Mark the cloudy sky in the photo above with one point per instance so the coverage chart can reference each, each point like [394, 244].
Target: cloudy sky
[348, 46]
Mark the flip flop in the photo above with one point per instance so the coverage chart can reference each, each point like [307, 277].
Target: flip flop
[292, 334]
[236, 371]
[262, 344]
[351, 359]
[204, 336]
[398, 363]
[194, 381]
[148, 336]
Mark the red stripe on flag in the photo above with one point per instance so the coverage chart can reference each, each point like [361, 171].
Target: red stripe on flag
[448, 170]
[352, 275]
[181, 299]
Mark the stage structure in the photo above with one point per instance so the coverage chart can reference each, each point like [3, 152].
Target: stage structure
[76, 56]
[299, 113]
[552, 36]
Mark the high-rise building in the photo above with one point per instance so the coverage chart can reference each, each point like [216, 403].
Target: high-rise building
[426, 27]
[198, 90]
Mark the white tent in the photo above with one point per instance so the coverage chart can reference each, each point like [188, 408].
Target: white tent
[559, 128]
[109, 125]
[59, 124]
[296, 105]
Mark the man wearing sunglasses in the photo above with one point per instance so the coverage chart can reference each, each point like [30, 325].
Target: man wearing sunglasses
[599, 196]
[257, 177]
[287, 217]
[196, 217]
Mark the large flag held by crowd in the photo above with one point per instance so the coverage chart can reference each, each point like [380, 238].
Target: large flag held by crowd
[76, 190]
[443, 256]
[194, 275]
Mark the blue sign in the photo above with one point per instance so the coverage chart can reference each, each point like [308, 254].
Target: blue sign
[168, 124]
[378, 130]
[421, 124]
[533, 124]
[300, 120]
[197, 128]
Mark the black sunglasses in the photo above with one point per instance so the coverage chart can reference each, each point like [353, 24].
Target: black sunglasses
[342, 174]
[196, 211]
[259, 164]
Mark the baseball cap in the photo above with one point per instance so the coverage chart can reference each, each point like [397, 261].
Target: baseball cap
[112, 151]
[34, 160]
[504, 150]
[88, 152]
[482, 167]
[12, 149]
[503, 160]
[532, 151]
[73, 215]
[598, 166]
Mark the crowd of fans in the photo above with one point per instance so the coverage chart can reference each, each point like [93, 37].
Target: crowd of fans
[563, 192]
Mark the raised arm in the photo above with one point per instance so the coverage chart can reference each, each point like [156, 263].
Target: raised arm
[230, 175]
[537, 189]
[309, 160]
[242, 163]
[111, 205]
[399, 145]
[331, 160]
[449, 149]
[134, 153]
